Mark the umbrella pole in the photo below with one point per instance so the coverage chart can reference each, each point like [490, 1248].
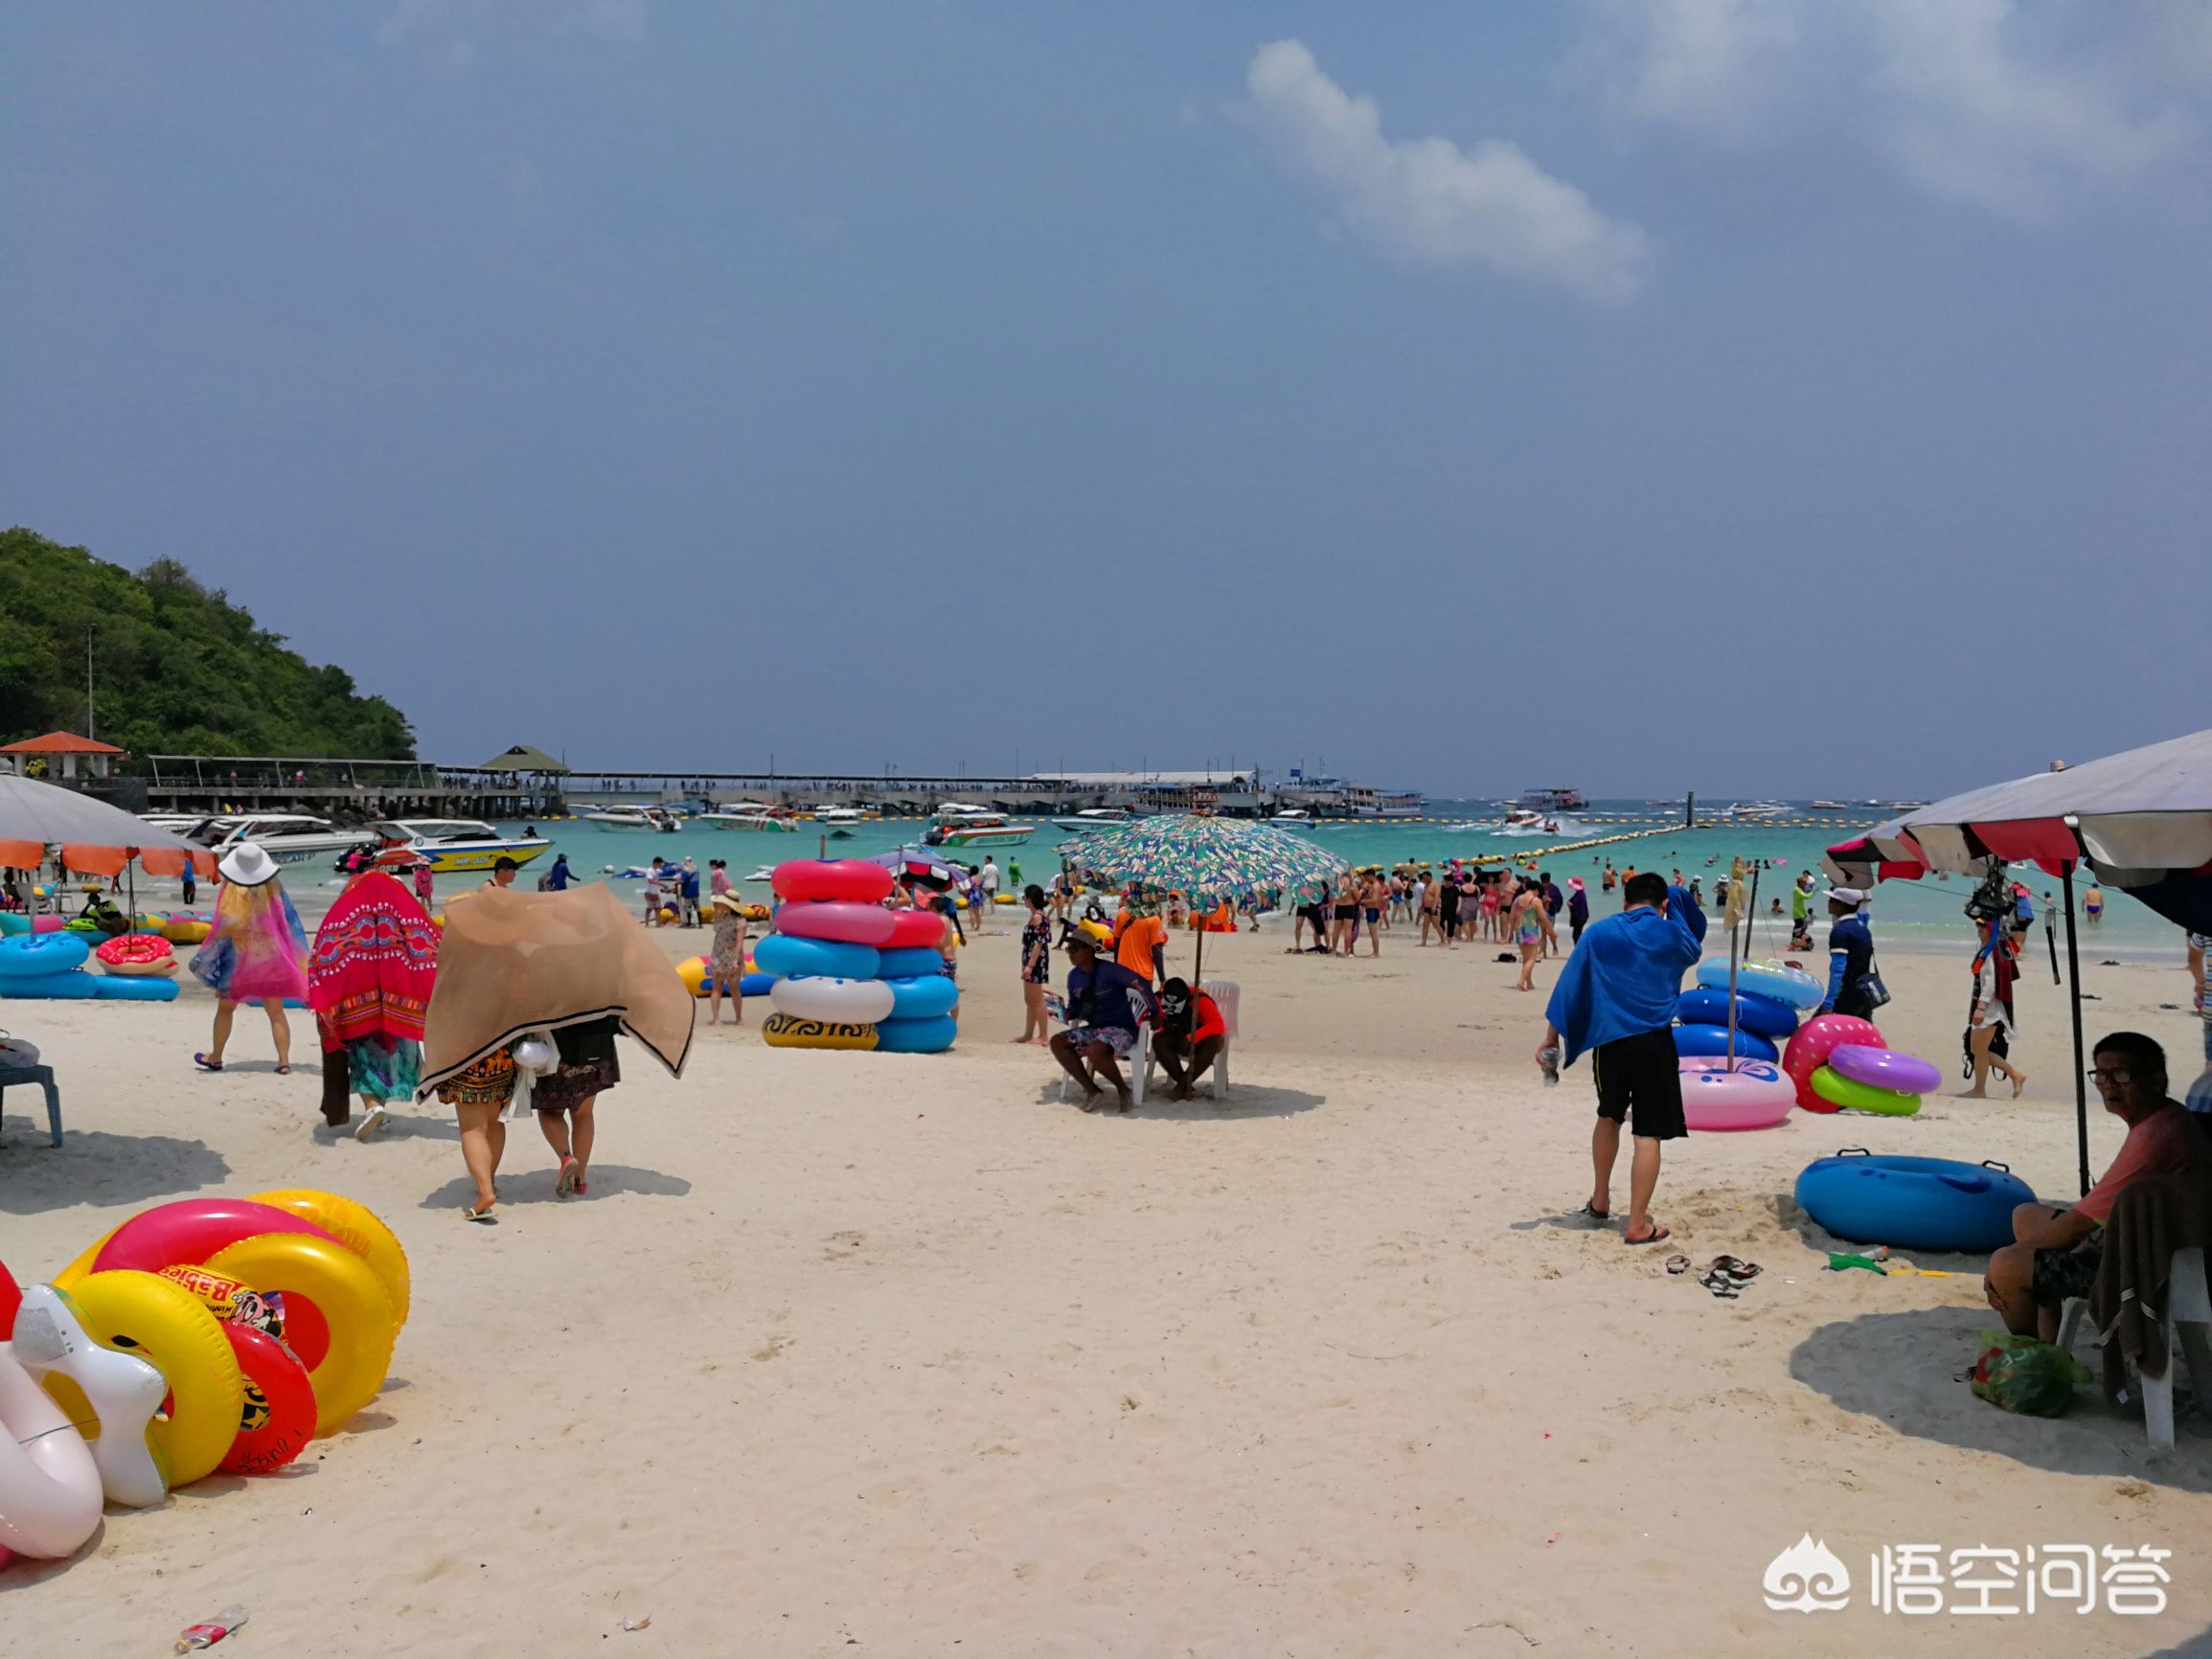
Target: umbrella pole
[2074, 997]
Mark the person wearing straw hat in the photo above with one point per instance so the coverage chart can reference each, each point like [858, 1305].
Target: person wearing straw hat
[255, 952]
[726, 956]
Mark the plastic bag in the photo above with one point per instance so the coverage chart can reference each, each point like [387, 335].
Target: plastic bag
[2022, 1375]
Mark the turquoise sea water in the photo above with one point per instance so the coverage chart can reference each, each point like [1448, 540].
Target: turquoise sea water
[1911, 915]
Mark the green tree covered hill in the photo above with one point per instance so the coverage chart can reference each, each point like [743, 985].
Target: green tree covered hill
[177, 668]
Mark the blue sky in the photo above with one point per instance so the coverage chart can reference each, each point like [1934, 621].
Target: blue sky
[1715, 394]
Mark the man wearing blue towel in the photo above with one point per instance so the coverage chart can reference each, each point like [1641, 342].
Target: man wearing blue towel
[1616, 997]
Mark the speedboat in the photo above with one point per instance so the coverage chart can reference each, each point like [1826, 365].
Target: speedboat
[1756, 813]
[1094, 818]
[1829, 807]
[657, 819]
[963, 825]
[175, 823]
[287, 837]
[456, 844]
[846, 815]
[1293, 818]
[750, 815]
[1522, 821]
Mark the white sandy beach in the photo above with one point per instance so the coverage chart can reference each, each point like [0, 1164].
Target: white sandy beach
[899, 1355]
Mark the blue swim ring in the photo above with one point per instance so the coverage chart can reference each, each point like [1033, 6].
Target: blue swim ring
[1753, 1013]
[1912, 1203]
[1700, 1041]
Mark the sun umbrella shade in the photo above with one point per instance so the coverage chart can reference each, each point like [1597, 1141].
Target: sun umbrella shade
[35, 816]
[1206, 859]
[922, 863]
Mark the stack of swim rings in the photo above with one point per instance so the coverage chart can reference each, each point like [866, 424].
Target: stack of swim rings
[849, 975]
[51, 966]
[1767, 998]
[1839, 1063]
[208, 1335]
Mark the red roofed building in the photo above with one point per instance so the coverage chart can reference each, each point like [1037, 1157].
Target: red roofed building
[60, 752]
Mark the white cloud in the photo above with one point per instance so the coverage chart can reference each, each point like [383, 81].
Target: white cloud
[1426, 200]
[2014, 106]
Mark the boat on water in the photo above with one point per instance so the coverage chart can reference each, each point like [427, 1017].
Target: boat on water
[1523, 821]
[1559, 798]
[1829, 807]
[1389, 805]
[1095, 818]
[457, 844]
[754, 815]
[1755, 812]
[847, 815]
[287, 837]
[175, 823]
[657, 819]
[959, 825]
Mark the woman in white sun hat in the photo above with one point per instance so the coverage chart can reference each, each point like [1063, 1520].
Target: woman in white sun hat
[255, 952]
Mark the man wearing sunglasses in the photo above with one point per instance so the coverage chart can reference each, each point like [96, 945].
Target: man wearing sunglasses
[2055, 1252]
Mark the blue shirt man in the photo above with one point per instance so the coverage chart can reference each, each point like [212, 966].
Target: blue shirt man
[1849, 955]
[1102, 1021]
[1616, 998]
[556, 880]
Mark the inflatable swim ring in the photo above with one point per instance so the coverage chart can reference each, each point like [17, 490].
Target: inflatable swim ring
[49, 1490]
[833, 1001]
[341, 1295]
[693, 971]
[278, 1417]
[62, 986]
[781, 954]
[182, 931]
[1815, 1040]
[1884, 1069]
[144, 1315]
[1754, 1012]
[1840, 1091]
[137, 953]
[1756, 1094]
[360, 1228]
[112, 988]
[183, 1232]
[1698, 1041]
[854, 880]
[915, 929]
[913, 962]
[120, 1389]
[1785, 983]
[915, 1037]
[845, 924]
[783, 1031]
[922, 997]
[40, 956]
[1912, 1203]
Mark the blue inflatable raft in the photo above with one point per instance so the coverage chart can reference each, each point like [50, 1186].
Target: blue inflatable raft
[1912, 1203]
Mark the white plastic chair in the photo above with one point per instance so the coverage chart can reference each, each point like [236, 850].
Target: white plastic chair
[2188, 1333]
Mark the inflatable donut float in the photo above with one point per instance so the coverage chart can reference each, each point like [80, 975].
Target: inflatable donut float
[137, 953]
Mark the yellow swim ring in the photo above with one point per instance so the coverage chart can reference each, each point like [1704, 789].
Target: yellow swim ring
[783, 1031]
[351, 1303]
[360, 1229]
[165, 1324]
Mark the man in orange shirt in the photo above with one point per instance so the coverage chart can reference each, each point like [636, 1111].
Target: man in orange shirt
[1141, 945]
[2057, 1251]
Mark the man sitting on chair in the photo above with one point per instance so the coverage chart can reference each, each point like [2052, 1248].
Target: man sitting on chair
[1188, 1034]
[1102, 1023]
[2055, 1252]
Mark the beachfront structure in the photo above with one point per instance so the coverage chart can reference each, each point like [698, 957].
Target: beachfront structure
[57, 756]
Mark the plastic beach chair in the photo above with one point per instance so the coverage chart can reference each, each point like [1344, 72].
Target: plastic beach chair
[1137, 1064]
[2188, 1330]
[1224, 992]
[43, 1076]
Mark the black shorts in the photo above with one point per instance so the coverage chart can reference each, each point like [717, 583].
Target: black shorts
[2060, 1274]
[1640, 1083]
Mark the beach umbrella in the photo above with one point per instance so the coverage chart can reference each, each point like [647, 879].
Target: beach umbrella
[93, 836]
[2142, 820]
[1207, 858]
[922, 863]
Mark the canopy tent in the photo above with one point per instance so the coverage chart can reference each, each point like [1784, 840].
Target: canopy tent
[1207, 859]
[523, 757]
[2141, 819]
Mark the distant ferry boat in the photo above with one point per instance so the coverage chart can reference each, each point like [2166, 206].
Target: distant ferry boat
[1554, 801]
[1388, 805]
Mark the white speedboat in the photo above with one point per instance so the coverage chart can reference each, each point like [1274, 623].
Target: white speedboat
[963, 825]
[1094, 818]
[845, 816]
[1293, 818]
[287, 837]
[1756, 813]
[1522, 821]
[657, 819]
[175, 823]
[1829, 807]
[754, 815]
[458, 844]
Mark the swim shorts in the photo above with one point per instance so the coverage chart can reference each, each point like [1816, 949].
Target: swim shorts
[1640, 1083]
[1373, 916]
[2060, 1274]
[1114, 1038]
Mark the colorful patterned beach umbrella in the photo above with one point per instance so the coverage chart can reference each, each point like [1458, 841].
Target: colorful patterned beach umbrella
[1206, 859]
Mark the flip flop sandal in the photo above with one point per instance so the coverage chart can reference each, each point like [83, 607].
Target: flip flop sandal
[205, 1064]
[482, 1218]
[1678, 1264]
[1658, 1231]
[1720, 1285]
[1742, 1272]
[1588, 1213]
[564, 1183]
